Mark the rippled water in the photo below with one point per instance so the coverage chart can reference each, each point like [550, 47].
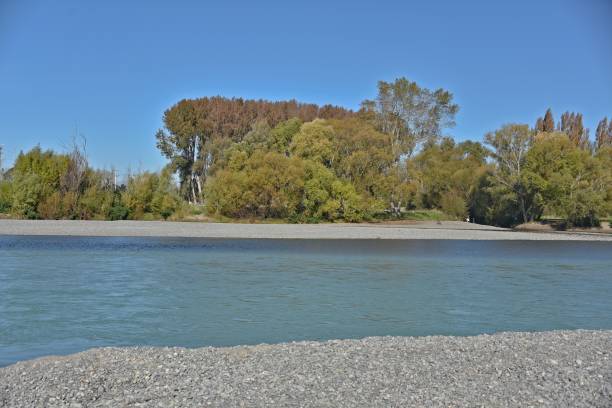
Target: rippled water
[65, 294]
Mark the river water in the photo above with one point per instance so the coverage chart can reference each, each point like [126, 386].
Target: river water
[60, 295]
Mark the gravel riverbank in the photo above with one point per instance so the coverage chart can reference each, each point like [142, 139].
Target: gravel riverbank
[420, 230]
[556, 369]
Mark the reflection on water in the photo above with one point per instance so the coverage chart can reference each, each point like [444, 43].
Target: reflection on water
[66, 294]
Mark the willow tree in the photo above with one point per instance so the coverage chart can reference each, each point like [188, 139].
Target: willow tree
[411, 114]
[572, 183]
[510, 146]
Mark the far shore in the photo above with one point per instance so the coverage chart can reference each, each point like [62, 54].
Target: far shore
[417, 230]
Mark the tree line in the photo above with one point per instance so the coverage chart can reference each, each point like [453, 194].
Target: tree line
[256, 159]
[48, 185]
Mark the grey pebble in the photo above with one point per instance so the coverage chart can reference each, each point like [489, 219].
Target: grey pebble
[548, 369]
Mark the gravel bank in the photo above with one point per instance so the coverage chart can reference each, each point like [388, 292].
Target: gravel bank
[556, 369]
[425, 230]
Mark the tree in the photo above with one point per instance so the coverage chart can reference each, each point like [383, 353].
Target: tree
[266, 184]
[196, 131]
[446, 174]
[314, 142]
[74, 178]
[604, 156]
[510, 146]
[539, 126]
[6, 196]
[394, 190]
[182, 143]
[328, 198]
[571, 125]
[570, 181]
[28, 194]
[362, 153]
[548, 124]
[258, 138]
[283, 133]
[411, 114]
[603, 135]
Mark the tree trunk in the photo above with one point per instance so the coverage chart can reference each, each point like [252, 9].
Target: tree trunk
[523, 210]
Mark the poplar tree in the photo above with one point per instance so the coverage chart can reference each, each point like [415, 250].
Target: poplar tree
[603, 135]
[548, 124]
[571, 124]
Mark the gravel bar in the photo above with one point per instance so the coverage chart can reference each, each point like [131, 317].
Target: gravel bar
[547, 369]
[421, 230]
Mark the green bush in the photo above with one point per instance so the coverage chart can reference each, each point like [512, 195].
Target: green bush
[6, 196]
[452, 204]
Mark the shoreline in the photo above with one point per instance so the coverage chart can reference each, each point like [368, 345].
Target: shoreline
[445, 230]
[557, 368]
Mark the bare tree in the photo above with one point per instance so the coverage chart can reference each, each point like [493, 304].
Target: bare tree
[74, 178]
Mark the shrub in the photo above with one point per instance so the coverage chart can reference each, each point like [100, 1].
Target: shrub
[6, 196]
[452, 204]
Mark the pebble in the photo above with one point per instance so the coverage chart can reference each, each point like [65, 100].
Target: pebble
[547, 369]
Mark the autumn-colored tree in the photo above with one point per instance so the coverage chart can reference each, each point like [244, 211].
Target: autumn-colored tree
[197, 130]
[571, 125]
[539, 126]
[548, 124]
[300, 162]
[545, 124]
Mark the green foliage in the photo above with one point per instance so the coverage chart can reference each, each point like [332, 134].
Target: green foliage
[267, 185]
[424, 215]
[446, 174]
[255, 160]
[510, 146]
[44, 184]
[149, 196]
[453, 205]
[571, 182]
[362, 155]
[28, 190]
[6, 196]
[314, 142]
[282, 135]
[118, 212]
[258, 138]
[271, 185]
[328, 198]
[195, 129]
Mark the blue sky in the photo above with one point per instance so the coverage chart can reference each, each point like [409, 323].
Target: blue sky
[110, 68]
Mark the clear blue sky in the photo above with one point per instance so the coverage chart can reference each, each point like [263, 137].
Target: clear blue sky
[112, 67]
